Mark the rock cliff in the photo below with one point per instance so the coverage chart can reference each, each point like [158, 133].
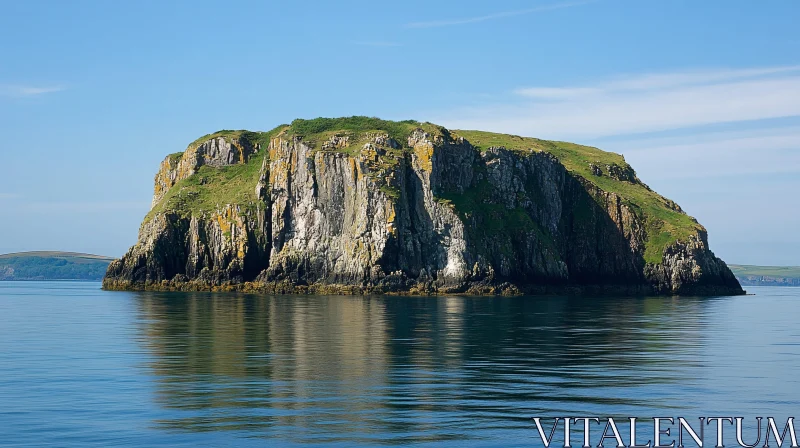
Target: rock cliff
[362, 205]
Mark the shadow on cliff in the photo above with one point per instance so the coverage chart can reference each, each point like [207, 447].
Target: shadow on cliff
[594, 246]
[417, 249]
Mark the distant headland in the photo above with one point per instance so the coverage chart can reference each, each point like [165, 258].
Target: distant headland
[767, 275]
[53, 265]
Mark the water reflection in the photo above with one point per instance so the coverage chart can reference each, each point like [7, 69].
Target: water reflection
[383, 369]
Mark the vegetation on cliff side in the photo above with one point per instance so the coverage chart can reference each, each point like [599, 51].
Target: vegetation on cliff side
[317, 127]
[253, 138]
[213, 188]
[664, 222]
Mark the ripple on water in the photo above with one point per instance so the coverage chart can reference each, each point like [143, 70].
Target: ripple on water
[85, 367]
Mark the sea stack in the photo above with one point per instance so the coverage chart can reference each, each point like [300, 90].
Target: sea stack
[366, 206]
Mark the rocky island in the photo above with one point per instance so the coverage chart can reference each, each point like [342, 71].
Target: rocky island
[361, 205]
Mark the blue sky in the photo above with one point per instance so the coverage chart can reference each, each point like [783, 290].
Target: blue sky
[702, 98]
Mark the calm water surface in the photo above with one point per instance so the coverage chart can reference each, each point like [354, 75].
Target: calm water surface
[84, 367]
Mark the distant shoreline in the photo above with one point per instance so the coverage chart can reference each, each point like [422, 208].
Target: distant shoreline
[53, 266]
[76, 280]
[56, 266]
[750, 275]
[767, 281]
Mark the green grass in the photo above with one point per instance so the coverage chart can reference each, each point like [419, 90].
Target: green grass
[494, 220]
[495, 217]
[768, 271]
[663, 225]
[318, 130]
[398, 130]
[175, 157]
[254, 138]
[359, 130]
[212, 188]
[485, 140]
[392, 192]
[356, 140]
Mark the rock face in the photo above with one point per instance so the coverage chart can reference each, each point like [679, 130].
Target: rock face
[421, 210]
[216, 151]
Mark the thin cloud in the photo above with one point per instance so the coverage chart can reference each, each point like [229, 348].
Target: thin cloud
[498, 15]
[377, 43]
[737, 154]
[24, 91]
[557, 93]
[654, 81]
[639, 103]
[8, 195]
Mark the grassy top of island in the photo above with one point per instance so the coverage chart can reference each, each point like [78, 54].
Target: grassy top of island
[212, 188]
